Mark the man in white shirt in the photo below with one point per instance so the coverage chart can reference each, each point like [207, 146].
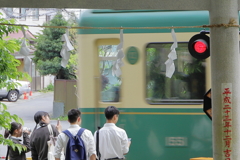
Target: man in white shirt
[113, 141]
[75, 120]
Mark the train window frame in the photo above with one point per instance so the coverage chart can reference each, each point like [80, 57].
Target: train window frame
[115, 90]
[170, 101]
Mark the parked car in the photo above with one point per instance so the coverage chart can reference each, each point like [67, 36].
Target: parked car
[14, 94]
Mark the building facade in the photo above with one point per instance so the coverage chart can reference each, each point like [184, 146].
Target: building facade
[33, 17]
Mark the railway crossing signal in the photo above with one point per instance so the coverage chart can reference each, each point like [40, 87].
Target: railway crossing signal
[207, 104]
[199, 46]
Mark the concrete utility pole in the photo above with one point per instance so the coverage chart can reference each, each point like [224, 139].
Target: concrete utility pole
[225, 63]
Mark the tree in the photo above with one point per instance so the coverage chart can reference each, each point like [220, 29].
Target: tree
[8, 70]
[48, 47]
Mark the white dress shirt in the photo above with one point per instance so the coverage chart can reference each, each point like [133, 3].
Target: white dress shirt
[87, 138]
[113, 141]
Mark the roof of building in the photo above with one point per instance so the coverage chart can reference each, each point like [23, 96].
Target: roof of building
[20, 35]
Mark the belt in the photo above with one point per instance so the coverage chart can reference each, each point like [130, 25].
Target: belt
[113, 158]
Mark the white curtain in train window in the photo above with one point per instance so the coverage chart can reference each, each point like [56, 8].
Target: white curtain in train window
[66, 47]
[116, 69]
[170, 67]
[25, 51]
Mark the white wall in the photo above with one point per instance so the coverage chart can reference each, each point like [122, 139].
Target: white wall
[48, 80]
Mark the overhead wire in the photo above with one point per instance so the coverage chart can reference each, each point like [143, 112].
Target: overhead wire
[167, 27]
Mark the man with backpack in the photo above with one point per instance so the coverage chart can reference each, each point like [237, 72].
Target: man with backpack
[112, 142]
[78, 143]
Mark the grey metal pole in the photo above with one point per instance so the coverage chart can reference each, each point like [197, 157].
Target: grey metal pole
[225, 72]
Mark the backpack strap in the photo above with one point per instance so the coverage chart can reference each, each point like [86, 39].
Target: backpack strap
[97, 144]
[51, 134]
[6, 158]
[80, 132]
[50, 129]
[69, 134]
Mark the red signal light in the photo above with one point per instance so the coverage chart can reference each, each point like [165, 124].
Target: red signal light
[200, 46]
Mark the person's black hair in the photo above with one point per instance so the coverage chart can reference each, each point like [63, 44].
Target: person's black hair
[14, 126]
[73, 115]
[110, 111]
[38, 117]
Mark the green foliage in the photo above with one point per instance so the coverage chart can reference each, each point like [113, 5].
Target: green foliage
[8, 71]
[8, 63]
[187, 82]
[196, 67]
[49, 66]
[62, 118]
[156, 84]
[49, 88]
[48, 47]
[5, 30]
[72, 64]
[5, 119]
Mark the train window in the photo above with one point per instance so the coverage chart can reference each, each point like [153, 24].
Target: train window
[110, 85]
[186, 86]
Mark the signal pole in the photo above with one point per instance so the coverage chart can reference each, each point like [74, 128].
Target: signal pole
[225, 70]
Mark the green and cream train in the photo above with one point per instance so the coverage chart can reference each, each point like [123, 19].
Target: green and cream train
[163, 116]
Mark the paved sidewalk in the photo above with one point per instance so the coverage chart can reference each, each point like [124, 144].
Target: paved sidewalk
[34, 94]
[28, 97]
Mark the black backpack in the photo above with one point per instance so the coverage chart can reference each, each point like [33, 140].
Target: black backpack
[75, 149]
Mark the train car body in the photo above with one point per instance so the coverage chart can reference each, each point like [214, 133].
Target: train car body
[163, 116]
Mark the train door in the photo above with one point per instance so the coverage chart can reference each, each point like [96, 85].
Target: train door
[108, 85]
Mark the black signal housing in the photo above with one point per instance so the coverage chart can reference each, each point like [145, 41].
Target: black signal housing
[199, 46]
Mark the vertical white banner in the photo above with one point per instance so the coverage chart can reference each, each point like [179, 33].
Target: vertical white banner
[227, 120]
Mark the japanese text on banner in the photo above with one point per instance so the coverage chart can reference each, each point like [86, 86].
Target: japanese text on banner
[227, 120]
